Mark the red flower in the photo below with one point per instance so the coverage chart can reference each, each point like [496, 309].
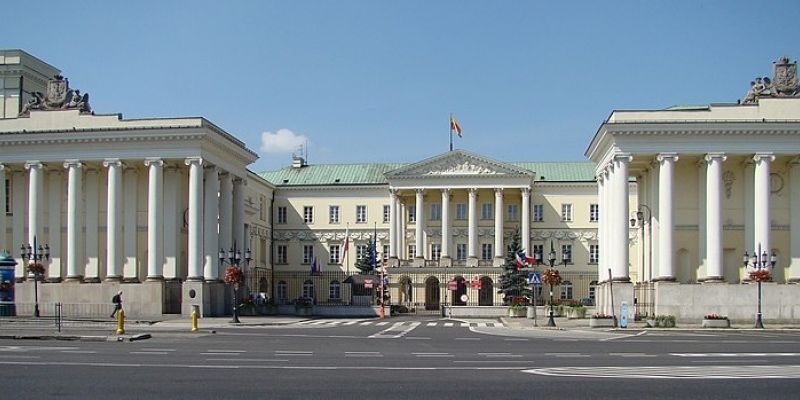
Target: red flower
[233, 274]
[551, 277]
[760, 275]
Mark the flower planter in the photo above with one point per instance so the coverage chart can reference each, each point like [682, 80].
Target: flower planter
[601, 322]
[716, 323]
[304, 311]
[517, 312]
[576, 312]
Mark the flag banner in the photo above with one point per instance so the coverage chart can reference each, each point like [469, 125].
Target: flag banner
[314, 266]
[523, 260]
[346, 240]
[455, 126]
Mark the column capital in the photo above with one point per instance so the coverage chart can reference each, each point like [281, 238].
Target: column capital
[663, 157]
[498, 191]
[393, 192]
[526, 191]
[709, 157]
[473, 191]
[419, 191]
[33, 164]
[760, 157]
[446, 191]
[112, 162]
[622, 157]
[193, 161]
[73, 163]
[153, 162]
[793, 163]
[212, 168]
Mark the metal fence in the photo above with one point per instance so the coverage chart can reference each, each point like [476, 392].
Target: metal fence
[644, 300]
[60, 315]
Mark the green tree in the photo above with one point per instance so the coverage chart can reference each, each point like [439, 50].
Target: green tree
[514, 281]
[366, 264]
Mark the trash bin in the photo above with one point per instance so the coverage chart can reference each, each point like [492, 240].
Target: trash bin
[7, 306]
[531, 312]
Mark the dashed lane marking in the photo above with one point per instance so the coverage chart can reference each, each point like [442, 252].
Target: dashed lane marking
[676, 372]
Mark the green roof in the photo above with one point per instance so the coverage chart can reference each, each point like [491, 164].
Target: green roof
[373, 174]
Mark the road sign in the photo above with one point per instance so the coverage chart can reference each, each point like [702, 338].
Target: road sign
[452, 285]
[476, 284]
[534, 279]
[368, 285]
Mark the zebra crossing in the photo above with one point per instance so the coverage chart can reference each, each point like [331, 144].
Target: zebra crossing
[329, 323]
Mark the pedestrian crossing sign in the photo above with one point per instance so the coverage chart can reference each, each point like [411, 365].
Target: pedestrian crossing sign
[534, 279]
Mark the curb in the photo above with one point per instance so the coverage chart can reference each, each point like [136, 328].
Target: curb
[85, 338]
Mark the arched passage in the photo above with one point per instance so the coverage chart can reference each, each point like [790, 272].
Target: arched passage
[486, 292]
[432, 293]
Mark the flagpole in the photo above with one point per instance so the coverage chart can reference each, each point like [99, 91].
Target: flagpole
[346, 248]
[451, 131]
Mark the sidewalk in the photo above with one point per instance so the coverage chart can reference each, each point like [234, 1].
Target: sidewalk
[583, 324]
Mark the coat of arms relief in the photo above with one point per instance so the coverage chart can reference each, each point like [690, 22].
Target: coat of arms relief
[783, 83]
[58, 97]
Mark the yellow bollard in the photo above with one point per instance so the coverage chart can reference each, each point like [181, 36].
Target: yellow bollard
[121, 322]
[194, 320]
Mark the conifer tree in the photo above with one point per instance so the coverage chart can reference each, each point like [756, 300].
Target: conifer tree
[514, 281]
[365, 263]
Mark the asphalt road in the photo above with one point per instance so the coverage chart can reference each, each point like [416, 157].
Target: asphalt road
[408, 359]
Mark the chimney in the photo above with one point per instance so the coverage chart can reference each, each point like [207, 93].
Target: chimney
[298, 162]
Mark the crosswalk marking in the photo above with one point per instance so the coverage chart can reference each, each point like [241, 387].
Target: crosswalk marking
[326, 323]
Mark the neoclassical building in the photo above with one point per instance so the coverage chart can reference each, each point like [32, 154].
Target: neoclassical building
[660, 217]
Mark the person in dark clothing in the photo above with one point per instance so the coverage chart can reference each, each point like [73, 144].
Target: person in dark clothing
[117, 300]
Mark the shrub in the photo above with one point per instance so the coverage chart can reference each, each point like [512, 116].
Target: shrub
[715, 316]
[602, 316]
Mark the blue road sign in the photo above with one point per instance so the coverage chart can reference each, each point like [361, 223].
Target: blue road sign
[534, 279]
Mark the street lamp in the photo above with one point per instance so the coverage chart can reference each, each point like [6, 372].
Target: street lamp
[33, 255]
[759, 261]
[234, 274]
[643, 215]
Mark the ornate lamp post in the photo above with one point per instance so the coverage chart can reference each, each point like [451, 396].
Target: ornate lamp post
[760, 261]
[34, 255]
[643, 215]
[552, 278]
[234, 274]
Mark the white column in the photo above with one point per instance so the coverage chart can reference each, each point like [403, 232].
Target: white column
[131, 225]
[34, 199]
[55, 194]
[91, 207]
[619, 269]
[714, 263]
[171, 222]
[392, 223]
[794, 221]
[210, 227]
[400, 231]
[195, 229]
[420, 224]
[238, 215]
[225, 213]
[761, 191]
[702, 218]
[749, 210]
[473, 224]
[113, 227]
[155, 219]
[3, 244]
[498, 223]
[601, 181]
[18, 204]
[666, 169]
[73, 218]
[655, 223]
[526, 221]
[446, 224]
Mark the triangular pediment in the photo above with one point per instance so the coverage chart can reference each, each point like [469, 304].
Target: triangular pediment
[457, 163]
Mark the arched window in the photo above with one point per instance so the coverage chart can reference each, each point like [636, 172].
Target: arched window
[283, 293]
[308, 289]
[566, 290]
[335, 291]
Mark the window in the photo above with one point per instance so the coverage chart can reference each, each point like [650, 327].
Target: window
[387, 214]
[333, 214]
[308, 214]
[412, 214]
[308, 253]
[361, 214]
[538, 253]
[594, 253]
[362, 250]
[436, 212]
[461, 211]
[566, 212]
[486, 210]
[385, 252]
[566, 290]
[282, 254]
[283, 292]
[513, 212]
[262, 208]
[461, 251]
[594, 212]
[593, 290]
[538, 212]
[436, 251]
[281, 215]
[412, 251]
[308, 289]
[334, 252]
[566, 253]
[335, 290]
[486, 251]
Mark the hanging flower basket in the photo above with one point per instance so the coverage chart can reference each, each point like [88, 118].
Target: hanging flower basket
[36, 268]
[760, 275]
[551, 277]
[233, 274]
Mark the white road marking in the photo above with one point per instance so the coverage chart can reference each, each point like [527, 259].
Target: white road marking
[150, 352]
[632, 355]
[247, 359]
[677, 372]
[253, 366]
[448, 324]
[79, 351]
[226, 351]
[153, 349]
[467, 338]
[398, 330]
[515, 340]
[362, 354]
[570, 355]
[291, 353]
[431, 324]
[433, 355]
[735, 354]
[17, 356]
[382, 323]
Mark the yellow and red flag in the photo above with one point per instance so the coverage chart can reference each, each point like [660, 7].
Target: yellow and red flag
[455, 126]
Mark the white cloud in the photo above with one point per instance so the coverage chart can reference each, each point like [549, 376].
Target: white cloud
[282, 141]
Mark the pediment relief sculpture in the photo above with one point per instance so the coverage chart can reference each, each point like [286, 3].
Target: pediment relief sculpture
[58, 97]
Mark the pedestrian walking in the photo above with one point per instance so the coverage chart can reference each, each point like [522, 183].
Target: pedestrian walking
[117, 300]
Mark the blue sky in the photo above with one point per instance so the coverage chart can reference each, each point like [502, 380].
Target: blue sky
[373, 81]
